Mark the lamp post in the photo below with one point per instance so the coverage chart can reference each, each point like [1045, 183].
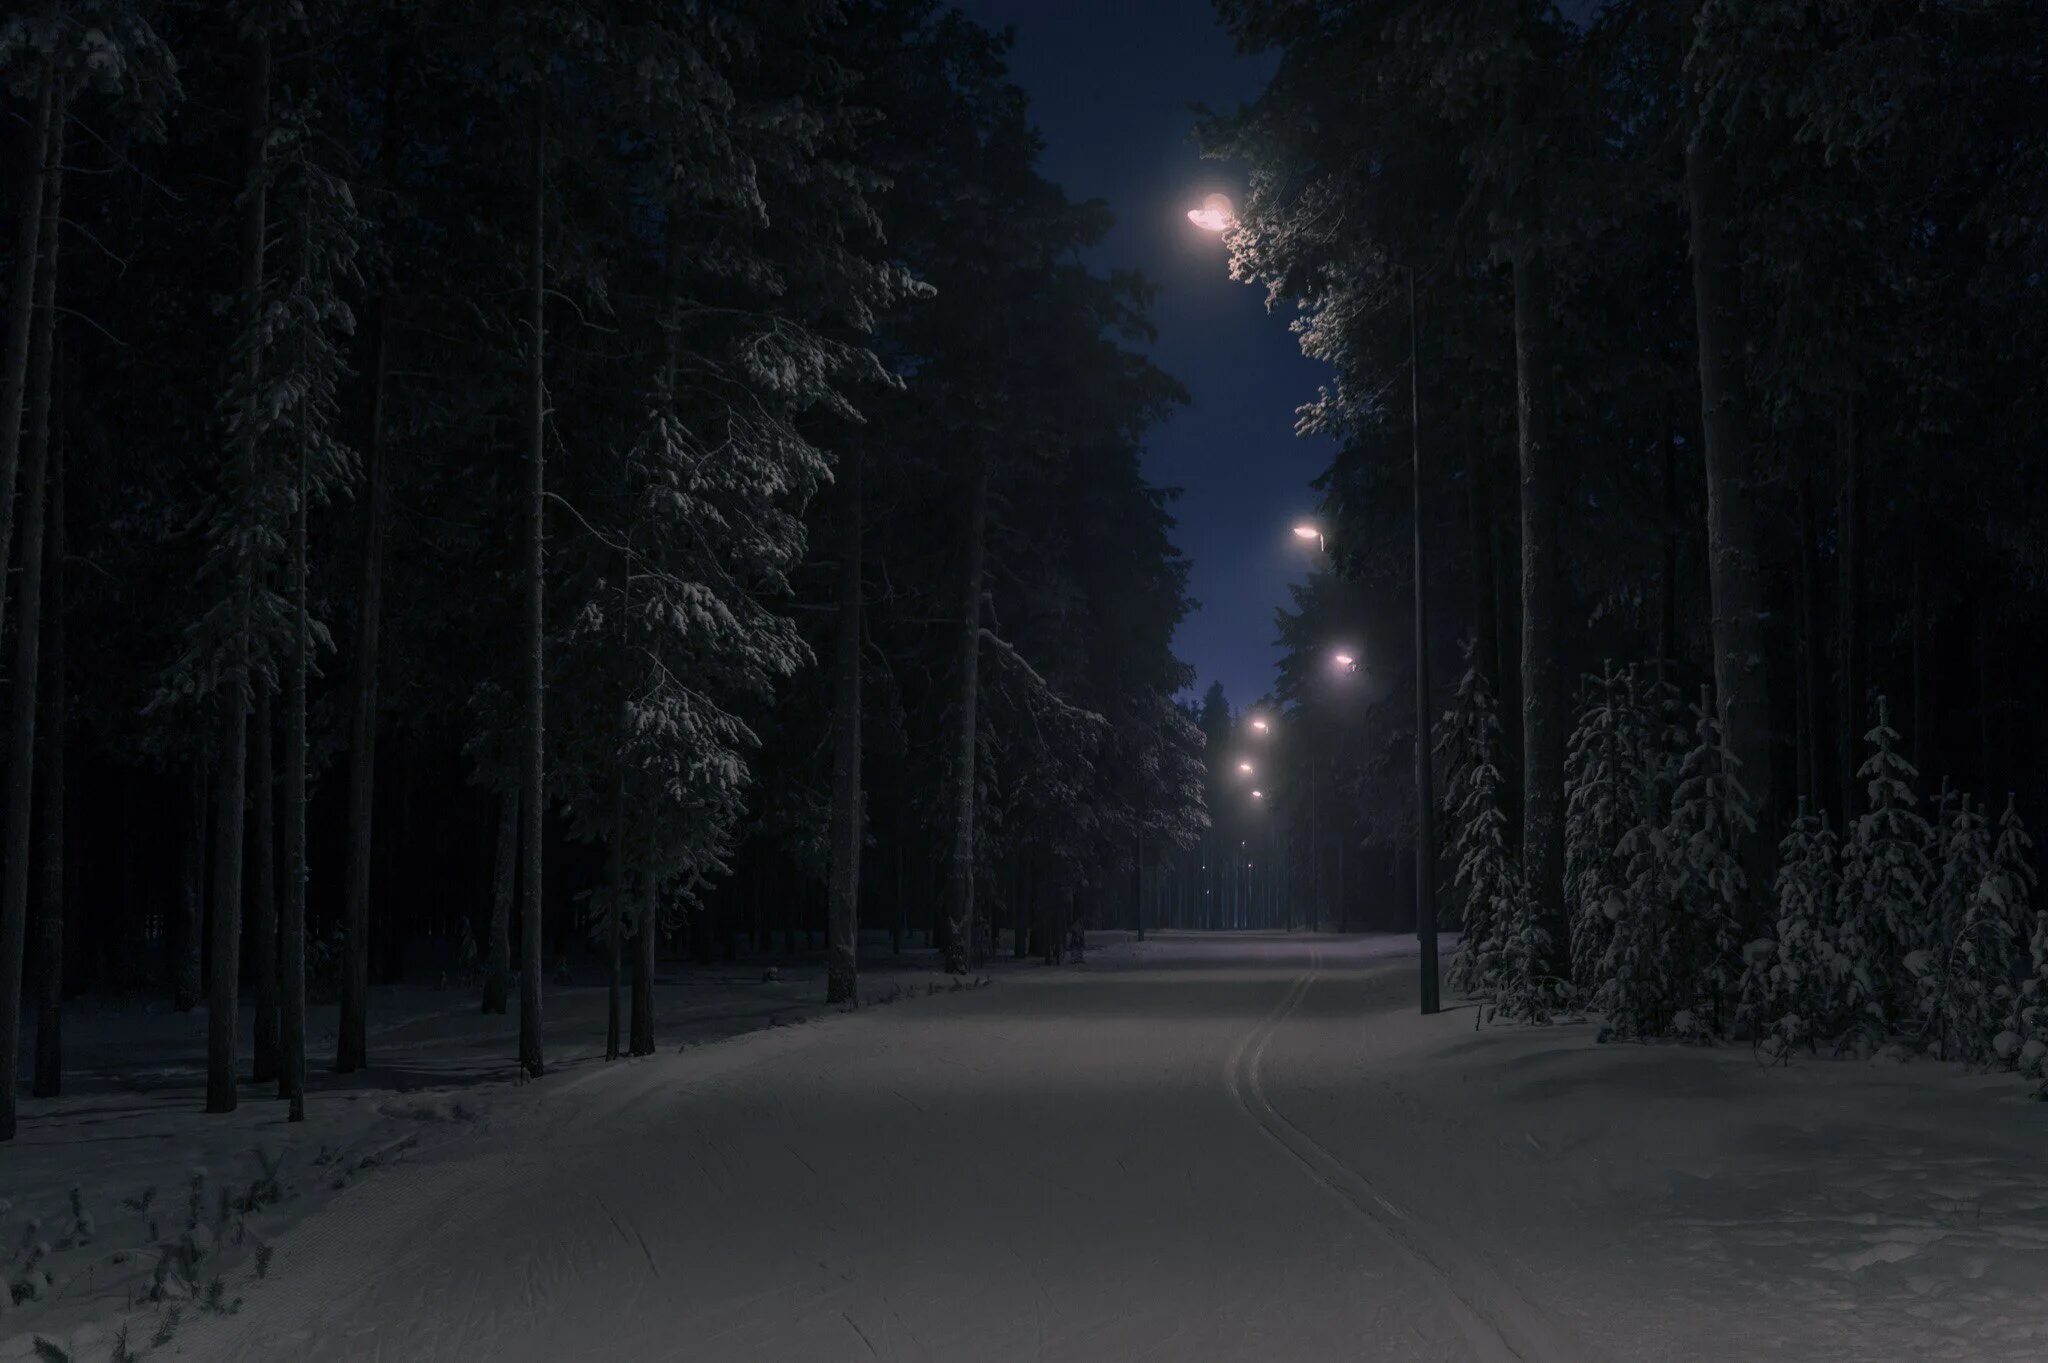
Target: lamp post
[1425, 812]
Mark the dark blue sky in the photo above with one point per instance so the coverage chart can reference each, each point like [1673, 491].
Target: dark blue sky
[1110, 84]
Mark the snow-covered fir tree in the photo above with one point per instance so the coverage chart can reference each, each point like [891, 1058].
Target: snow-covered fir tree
[1886, 875]
[1792, 987]
[1670, 962]
[1965, 978]
[1484, 879]
[1618, 774]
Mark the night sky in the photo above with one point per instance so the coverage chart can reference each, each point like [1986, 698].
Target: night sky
[1111, 82]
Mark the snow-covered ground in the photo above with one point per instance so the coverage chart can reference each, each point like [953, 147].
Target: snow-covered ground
[1203, 1148]
[129, 1135]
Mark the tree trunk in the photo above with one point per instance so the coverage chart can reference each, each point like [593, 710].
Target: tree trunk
[533, 792]
[21, 765]
[263, 925]
[1734, 572]
[842, 926]
[1849, 714]
[959, 892]
[1916, 743]
[643, 968]
[1667, 580]
[614, 904]
[292, 1080]
[185, 957]
[224, 977]
[352, 1045]
[1485, 609]
[1813, 776]
[43, 165]
[498, 940]
[49, 1075]
[1543, 696]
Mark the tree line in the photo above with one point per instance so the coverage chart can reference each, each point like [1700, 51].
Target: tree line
[1723, 368]
[487, 482]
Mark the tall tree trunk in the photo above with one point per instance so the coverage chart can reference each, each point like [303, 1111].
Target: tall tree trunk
[1916, 743]
[645, 941]
[1543, 696]
[1485, 609]
[842, 925]
[43, 164]
[960, 855]
[224, 977]
[1987, 698]
[533, 792]
[1812, 768]
[1667, 579]
[1849, 714]
[21, 764]
[263, 927]
[185, 936]
[49, 1075]
[352, 1044]
[292, 1078]
[498, 939]
[1734, 570]
[614, 910]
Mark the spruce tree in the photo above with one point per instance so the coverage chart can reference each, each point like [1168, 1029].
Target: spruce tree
[1886, 875]
[1793, 989]
[1484, 879]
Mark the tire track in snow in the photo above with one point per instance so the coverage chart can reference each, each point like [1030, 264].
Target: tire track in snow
[1498, 1322]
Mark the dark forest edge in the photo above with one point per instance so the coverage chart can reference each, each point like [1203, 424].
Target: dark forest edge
[1726, 361]
[491, 478]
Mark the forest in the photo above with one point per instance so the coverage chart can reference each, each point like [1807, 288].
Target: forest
[1711, 334]
[497, 484]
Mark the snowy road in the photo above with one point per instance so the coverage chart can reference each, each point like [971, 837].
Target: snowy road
[1199, 1149]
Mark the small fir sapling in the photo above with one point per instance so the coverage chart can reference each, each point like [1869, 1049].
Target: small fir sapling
[1794, 988]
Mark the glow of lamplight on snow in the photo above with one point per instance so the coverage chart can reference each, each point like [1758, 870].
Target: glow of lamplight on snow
[1215, 215]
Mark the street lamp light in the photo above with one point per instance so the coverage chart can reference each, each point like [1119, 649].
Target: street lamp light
[1260, 726]
[1215, 215]
[1245, 767]
[1308, 530]
[1346, 661]
[1258, 795]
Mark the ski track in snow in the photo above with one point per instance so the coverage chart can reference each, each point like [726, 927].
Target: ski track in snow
[1496, 1320]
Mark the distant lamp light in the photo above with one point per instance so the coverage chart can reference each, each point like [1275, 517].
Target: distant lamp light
[1260, 726]
[1245, 767]
[1345, 660]
[1258, 795]
[1215, 215]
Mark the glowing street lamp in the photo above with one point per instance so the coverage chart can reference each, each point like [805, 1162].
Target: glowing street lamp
[1245, 767]
[1346, 661]
[1258, 795]
[1215, 215]
[1308, 530]
[1260, 726]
